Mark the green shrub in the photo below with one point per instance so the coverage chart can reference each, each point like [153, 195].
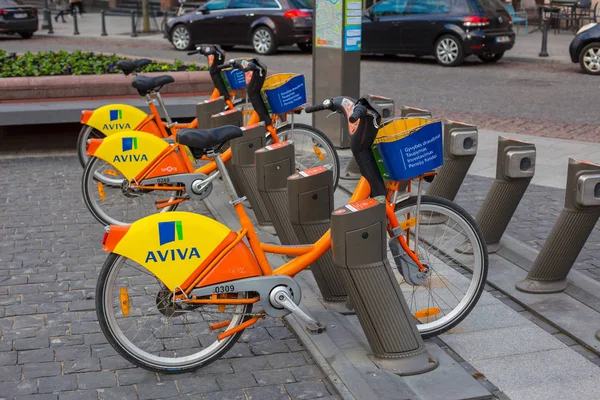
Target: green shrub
[48, 63]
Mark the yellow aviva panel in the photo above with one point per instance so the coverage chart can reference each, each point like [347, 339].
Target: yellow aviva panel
[115, 118]
[130, 152]
[172, 245]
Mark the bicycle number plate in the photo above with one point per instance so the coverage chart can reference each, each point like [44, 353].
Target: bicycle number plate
[502, 39]
[224, 289]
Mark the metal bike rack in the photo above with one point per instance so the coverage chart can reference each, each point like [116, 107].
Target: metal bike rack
[310, 200]
[515, 168]
[274, 163]
[359, 240]
[206, 109]
[413, 112]
[570, 232]
[460, 148]
[242, 168]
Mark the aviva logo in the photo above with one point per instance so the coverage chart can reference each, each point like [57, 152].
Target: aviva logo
[129, 144]
[169, 232]
[115, 115]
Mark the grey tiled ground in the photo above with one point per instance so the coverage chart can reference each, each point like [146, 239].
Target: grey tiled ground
[51, 346]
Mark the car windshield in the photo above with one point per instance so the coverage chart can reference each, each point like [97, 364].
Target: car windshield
[214, 4]
[491, 6]
[302, 3]
[10, 3]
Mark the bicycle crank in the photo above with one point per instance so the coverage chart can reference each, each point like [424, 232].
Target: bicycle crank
[407, 267]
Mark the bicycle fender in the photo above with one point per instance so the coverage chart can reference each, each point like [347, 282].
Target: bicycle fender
[114, 118]
[129, 152]
[178, 246]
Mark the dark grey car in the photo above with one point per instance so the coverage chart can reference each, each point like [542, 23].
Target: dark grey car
[16, 17]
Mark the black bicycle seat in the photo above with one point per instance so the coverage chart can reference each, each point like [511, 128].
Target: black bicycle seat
[130, 66]
[147, 84]
[202, 139]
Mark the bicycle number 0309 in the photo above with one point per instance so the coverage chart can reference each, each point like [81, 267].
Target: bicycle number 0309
[224, 289]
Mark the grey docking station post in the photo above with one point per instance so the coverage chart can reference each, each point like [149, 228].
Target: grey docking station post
[310, 200]
[359, 238]
[274, 163]
[229, 117]
[570, 232]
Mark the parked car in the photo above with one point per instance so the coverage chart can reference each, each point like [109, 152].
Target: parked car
[16, 17]
[449, 30]
[264, 24]
[585, 48]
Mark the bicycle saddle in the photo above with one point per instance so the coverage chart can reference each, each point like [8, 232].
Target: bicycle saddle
[201, 139]
[147, 84]
[130, 66]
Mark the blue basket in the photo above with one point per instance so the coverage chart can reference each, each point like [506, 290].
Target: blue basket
[408, 154]
[284, 92]
[236, 78]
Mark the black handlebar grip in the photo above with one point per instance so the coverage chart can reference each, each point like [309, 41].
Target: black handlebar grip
[358, 113]
[223, 66]
[314, 108]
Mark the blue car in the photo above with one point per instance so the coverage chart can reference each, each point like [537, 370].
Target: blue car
[585, 48]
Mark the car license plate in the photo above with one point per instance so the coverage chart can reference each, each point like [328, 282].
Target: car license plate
[20, 15]
[502, 39]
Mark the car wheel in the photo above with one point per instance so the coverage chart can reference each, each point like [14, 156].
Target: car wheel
[263, 41]
[305, 47]
[26, 35]
[449, 51]
[589, 59]
[180, 37]
[490, 57]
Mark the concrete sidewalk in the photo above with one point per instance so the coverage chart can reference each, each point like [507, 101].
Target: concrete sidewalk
[527, 47]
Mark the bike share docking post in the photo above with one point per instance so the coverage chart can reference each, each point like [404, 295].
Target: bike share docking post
[133, 31]
[103, 16]
[359, 243]
[570, 232]
[205, 111]
[274, 163]
[413, 112]
[460, 148]
[229, 117]
[515, 168]
[310, 200]
[243, 171]
[75, 25]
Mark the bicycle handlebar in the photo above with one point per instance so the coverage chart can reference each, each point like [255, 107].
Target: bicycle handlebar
[359, 112]
[326, 105]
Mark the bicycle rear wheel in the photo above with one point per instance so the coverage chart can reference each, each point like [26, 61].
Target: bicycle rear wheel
[87, 132]
[113, 203]
[150, 330]
[312, 148]
[453, 248]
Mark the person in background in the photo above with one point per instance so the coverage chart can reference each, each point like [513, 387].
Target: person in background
[61, 7]
[76, 4]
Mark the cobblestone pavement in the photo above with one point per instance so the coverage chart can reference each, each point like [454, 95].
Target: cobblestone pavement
[51, 346]
[534, 218]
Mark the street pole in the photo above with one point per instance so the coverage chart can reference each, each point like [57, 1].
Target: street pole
[544, 51]
[103, 16]
[75, 26]
[145, 17]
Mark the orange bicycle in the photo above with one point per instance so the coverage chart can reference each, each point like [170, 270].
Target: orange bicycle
[133, 174]
[178, 289]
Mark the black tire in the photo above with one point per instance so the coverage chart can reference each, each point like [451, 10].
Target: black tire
[448, 51]
[306, 47]
[591, 66]
[325, 142]
[110, 336]
[489, 58]
[264, 41]
[26, 35]
[479, 283]
[181, 38]
[85, 134]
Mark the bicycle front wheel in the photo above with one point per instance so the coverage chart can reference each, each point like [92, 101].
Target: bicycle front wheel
[142, 323]
[312, 148]
[453, 248]
[114, 203]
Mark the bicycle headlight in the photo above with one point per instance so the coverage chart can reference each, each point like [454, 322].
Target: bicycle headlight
[586, 27]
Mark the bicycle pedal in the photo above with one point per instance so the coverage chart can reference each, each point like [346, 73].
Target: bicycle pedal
[316, 328]
[281, 297]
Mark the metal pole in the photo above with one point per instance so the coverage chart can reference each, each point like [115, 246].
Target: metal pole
[50, 30]
[133, 32]
[544, 51]
[570, 232]
[164, 24]
[103, 16]
[46, 13]
[75, 26]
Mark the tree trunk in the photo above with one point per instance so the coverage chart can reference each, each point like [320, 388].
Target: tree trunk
[145, 17]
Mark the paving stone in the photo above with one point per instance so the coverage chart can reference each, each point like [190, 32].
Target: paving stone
[31, 344]
[85, 327]
[115, 362]
[38, 370]
[286, 360]
[307, 390]
[255, 335]
[41, 355]
[96, 380]
[134, 376]
[117, 393]
[197, 386]
[10, 373]
[44, 396]
[238, 350]
[156, 390]
[569, 341]
[269, 347]
[250, 364]
[94, 338]
[72, 352]
[590, 355]
[84, 305]
[236, 381]
[8, 358]
[273, 377]
[29, 321]
[91, 394]
[20, 309]
[66, 340]
[24, 387]
[9, 336]
[103, 350]
[226, 395]
[267, 393]
[307, 372]
[57, 383]
[280, 332]
[294, 345]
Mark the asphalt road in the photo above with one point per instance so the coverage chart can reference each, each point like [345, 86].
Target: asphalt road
[549, 98]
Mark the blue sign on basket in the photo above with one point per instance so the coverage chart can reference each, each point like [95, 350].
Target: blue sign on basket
[236, 78]
[414, 155]
[288, 96]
